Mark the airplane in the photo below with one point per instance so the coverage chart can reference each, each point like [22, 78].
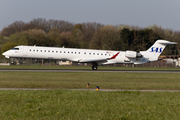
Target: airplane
[96, 57]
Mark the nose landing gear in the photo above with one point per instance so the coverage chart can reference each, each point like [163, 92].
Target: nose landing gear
[94, 67]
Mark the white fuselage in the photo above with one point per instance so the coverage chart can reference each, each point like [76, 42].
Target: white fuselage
[96, 57]
[75, 55]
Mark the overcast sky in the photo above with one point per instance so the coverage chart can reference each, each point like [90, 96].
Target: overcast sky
[142, 13]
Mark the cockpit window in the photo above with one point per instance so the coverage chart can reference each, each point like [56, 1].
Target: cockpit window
[15, 49]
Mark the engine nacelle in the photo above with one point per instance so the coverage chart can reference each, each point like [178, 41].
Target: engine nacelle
[132, 54]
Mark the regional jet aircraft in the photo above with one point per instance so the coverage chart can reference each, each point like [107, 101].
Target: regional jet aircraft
[96, 57]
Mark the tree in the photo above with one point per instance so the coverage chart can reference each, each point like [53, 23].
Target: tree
[96, 42]
[67, 40]
[62, 26]
[127, 36]
[8, 46]
[88, 30]
[106, 37]
[54, 35]
[3, 39]
[26, 39]
[41, 24]
[6, 31]
[15, 37]
[12, 28]
[40, 38]
[77, 35]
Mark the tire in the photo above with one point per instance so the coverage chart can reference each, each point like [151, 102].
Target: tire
[94, 67]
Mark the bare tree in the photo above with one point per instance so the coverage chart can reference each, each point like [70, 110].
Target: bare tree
[12, 28]
[63, 26]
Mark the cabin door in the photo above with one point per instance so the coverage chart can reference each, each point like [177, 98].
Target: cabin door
[24, 51]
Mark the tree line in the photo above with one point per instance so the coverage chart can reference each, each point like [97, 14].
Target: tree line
[58, 33]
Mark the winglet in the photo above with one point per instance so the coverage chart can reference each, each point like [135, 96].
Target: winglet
[113, 57]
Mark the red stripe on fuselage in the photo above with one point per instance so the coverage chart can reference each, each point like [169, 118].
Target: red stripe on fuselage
[113, 57]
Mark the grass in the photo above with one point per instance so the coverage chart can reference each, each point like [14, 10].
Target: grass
[63, 80]
[89, 105]
[60, 104]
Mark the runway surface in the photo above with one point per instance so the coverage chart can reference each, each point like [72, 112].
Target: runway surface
[77, 70]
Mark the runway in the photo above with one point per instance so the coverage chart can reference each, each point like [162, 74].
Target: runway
[85, 70]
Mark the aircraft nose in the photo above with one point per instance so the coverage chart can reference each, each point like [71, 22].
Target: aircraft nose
[5, 54]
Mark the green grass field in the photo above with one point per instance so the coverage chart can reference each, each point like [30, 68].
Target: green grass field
[63, 80]
[89, 105]
[59, 103]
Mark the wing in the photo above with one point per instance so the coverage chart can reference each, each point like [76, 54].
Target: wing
[98, 60]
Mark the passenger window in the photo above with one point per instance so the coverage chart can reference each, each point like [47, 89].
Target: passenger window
[52, 51]
[44, 50]
[93, 53]
[64, 51]
[85, 53]
[41, 50]
[79, 52]
[29, 49]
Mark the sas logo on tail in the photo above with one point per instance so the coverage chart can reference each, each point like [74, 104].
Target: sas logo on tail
[156, 49]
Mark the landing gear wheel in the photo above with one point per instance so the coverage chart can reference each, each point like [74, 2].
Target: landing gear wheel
[94, 67]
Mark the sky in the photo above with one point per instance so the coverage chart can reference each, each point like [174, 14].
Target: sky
[141, 13]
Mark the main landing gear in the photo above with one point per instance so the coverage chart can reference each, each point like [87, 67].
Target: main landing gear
[94, 67]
